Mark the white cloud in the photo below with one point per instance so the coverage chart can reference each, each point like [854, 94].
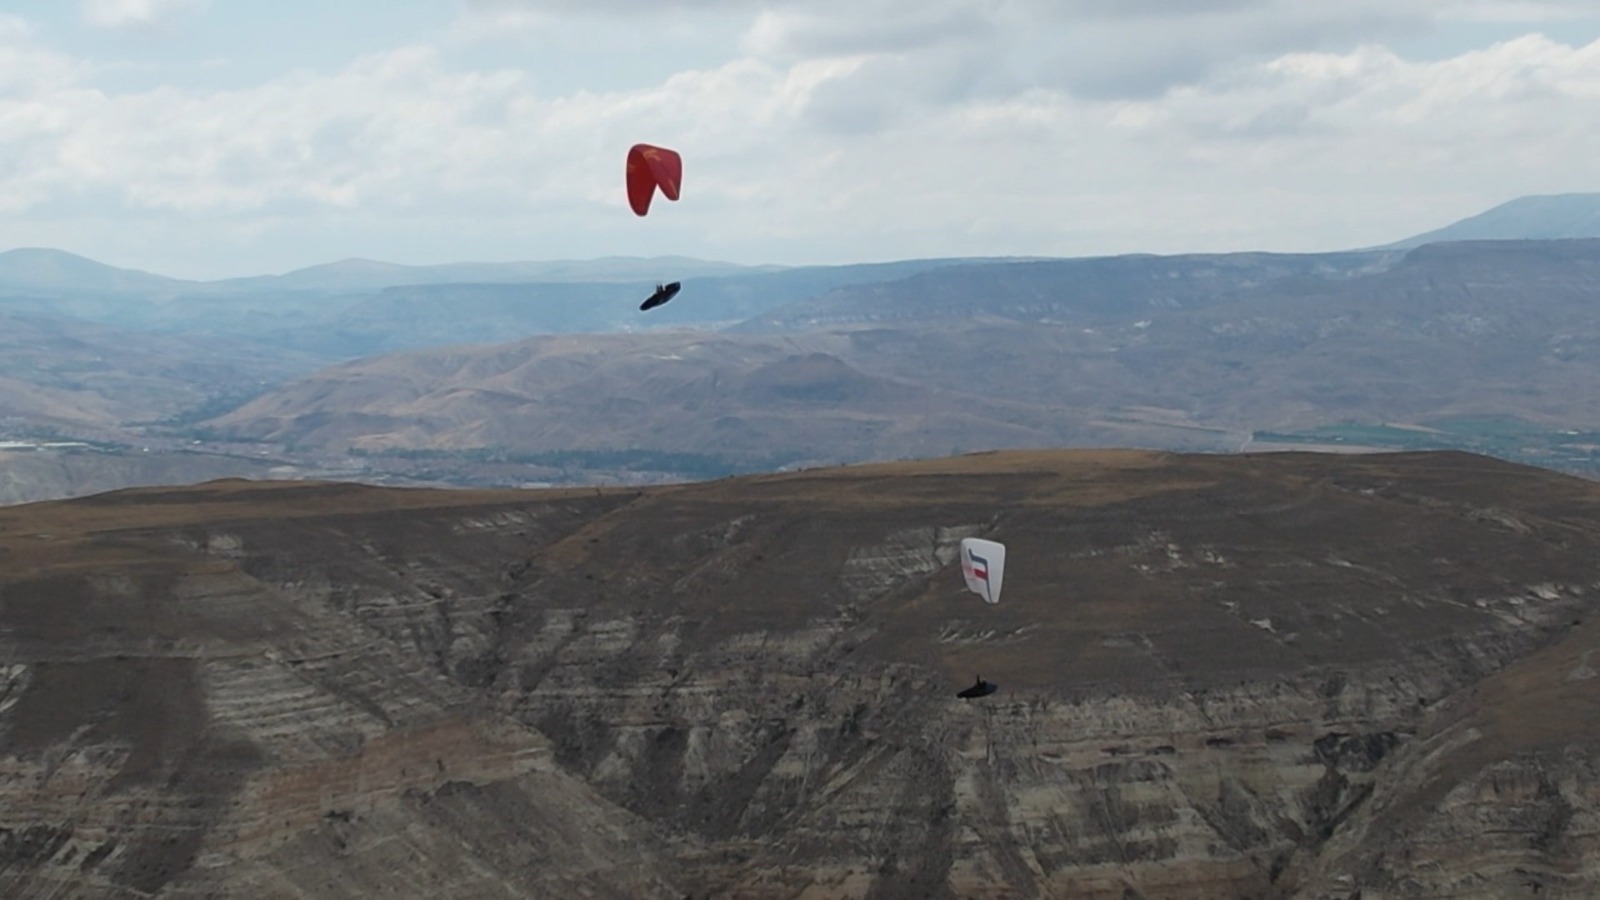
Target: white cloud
[870, 135]
[1107, 49]
[134, 13]
[14, 28]
[612, 7]
[1095, 48]
[825, 28]
[488, 21]
[1517, 11]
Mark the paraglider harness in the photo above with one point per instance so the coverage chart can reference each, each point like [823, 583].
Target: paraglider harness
[980, 689]
[664, 292]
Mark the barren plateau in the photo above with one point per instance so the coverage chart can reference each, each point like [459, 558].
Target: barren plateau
[1264, 676]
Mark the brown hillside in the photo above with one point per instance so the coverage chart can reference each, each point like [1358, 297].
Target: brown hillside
[1262, 676]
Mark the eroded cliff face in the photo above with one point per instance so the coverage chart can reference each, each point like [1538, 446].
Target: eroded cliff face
[1285, 676]
[175, 726]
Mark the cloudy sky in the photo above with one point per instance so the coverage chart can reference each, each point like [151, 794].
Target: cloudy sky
[211, 138]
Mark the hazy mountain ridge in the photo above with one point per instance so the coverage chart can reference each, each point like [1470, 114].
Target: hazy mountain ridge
[1075, 291]
[1539, 217]
[736, 398]
[353, 275]
[1144, 358]
[1283, 676]
[29, 475]
[57, 271]
[78, 347]
[358, 308]
[60, 272]
[915, 358]
[100, 380]
[433, 314]
[1535, 217]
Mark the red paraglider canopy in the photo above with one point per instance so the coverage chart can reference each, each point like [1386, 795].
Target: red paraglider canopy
[649, 168]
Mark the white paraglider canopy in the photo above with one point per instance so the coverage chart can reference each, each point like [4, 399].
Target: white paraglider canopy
[983, 564]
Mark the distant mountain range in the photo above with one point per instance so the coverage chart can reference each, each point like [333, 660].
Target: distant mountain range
[1492, 346]
[44, 271]
[358, 308]
[1533, 218]
[1538, 217]
[1194, 352]
[1063, 291]
[57, 271]
[368, 275]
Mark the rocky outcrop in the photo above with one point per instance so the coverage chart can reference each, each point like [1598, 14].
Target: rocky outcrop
[1269, 677]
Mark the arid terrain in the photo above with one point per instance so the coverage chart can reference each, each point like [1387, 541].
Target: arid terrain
[390, 375]
[1182, 353]
[1264, 676]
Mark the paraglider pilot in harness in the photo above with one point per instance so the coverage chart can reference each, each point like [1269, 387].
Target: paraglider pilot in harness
[980, 689]
[664, 292]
